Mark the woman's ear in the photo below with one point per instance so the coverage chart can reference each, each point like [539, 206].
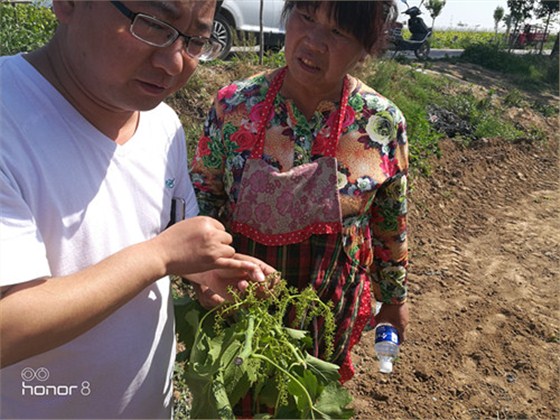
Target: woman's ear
[63, 10]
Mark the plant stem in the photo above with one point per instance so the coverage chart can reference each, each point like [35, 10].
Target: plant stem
[309, 400]
[248, 344]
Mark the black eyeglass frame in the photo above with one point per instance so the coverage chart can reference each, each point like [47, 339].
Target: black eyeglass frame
[214, 43]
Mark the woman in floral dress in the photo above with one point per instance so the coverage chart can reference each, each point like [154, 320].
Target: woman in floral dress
[307, 168]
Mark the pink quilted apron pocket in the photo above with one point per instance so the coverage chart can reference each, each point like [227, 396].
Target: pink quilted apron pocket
[280, 208]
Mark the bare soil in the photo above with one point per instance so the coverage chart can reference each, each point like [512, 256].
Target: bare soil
[484, 336]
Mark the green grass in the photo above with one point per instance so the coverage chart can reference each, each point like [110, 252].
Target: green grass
[528, 71]
[461, 39]
[24, 27]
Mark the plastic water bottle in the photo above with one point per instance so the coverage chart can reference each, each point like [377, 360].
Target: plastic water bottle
[386, 346]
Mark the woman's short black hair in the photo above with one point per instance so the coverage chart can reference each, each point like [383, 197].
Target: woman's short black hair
[366, 20]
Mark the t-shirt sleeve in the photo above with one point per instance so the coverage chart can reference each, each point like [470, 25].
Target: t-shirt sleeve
[23, 255]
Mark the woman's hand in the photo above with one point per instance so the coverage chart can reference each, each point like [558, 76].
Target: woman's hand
[206, 296]
[396, 315]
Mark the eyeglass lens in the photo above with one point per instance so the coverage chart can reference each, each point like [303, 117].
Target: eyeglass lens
[157, 33]
[153, 31]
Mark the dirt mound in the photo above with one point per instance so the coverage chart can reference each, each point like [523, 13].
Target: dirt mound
[484, 332]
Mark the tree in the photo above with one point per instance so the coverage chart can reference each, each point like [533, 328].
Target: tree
[261, 49]
[435, 7]
[508, 20]
[547, 9]
[554, 52]
[498, 16]
[520, 10]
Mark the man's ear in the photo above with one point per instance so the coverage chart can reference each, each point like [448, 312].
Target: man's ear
[63, 10]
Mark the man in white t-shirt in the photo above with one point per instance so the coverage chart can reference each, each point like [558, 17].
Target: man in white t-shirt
[93, 170]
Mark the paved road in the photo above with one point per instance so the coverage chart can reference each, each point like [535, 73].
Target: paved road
[436, 53]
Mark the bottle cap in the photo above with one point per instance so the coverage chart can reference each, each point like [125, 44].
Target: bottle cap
[385, 366]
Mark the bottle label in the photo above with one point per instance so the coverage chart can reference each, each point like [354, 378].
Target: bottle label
[387, 333]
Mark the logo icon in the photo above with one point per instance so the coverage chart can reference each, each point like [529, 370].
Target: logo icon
[29, 374]
[170, 182]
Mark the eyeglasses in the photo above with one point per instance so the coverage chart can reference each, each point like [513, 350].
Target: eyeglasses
[157, 33]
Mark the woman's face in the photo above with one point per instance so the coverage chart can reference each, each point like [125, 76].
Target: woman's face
[318, 52]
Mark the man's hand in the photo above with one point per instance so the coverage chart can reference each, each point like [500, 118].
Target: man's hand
[196, 245]
[211, 286]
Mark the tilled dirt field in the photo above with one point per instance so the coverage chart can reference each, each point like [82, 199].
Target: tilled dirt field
[484, 334]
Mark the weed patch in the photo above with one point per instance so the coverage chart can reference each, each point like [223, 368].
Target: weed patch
[529, 71]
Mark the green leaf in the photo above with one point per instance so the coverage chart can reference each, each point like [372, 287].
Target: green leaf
[236, 376]
[289, 411]
[328, 372]
[333, 402]
[267, 393]
[296, 334]
[311, 384]
[239, 388]
[187, 316]
[210, 399]
[299, 392]
[222, 401]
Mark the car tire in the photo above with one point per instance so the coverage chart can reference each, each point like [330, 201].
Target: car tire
[223, 33]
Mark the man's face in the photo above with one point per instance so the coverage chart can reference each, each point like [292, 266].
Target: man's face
[119, 72]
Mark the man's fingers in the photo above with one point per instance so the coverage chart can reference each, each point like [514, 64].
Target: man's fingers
[242, 285]
[256, 275]
[231, 263]
[251, 270]
[262, 269]
[213, 222]
[226, 238]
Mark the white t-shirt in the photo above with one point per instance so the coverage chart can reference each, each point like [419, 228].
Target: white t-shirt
[70, 197]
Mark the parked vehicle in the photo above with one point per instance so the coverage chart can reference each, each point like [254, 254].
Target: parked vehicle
[419, 41]
[531, 36]
[236, 19]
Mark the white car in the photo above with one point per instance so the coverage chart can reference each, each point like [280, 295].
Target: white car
[237, 18]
